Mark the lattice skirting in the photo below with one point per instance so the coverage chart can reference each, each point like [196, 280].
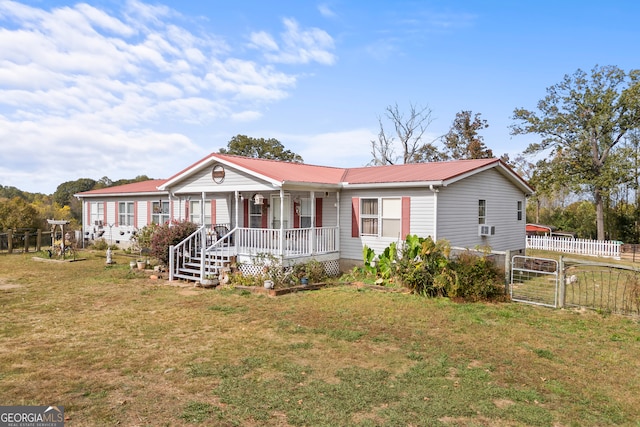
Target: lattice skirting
[331, 268]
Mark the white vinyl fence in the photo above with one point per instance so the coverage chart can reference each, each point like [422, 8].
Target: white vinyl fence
[601, 248]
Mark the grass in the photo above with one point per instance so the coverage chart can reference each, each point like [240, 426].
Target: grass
[116, 348]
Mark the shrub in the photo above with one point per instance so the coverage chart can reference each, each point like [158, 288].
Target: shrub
[141, 240]
[169, 234]
[476, 278]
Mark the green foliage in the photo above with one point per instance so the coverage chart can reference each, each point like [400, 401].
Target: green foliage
[142, 238]
[260, 148]
[476, 278]
[65, 191]
[424, 266]
[169, 234]
[581, 121]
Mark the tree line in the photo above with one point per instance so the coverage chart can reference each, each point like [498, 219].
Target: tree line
[585, 166]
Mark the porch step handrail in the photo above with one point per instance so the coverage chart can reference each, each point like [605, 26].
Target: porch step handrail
[183, 251]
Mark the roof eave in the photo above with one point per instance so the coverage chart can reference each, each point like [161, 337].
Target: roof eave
[347, 185]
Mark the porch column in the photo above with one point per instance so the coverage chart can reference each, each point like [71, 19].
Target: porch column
[236, 214]
[202, 208]
[312, 234]
[281, 223]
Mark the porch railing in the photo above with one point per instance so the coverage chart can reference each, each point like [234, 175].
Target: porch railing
[289, 242]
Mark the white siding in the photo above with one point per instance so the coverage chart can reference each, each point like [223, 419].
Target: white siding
[421, 216]
[458, 212]
[234, 180]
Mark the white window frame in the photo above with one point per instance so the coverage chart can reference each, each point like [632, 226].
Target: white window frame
[97, 213]
[195, 212]
[519, 209]
[160, 212]
[305, 212]
[255, 215]
[374, 221]
[126, 214]
[482, 211]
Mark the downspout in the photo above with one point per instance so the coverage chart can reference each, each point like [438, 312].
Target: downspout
[435, 191]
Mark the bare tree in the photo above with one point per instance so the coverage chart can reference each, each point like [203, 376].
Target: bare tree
[409, 132]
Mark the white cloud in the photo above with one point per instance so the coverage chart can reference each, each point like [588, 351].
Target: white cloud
[86, 92]
[298, 46]
[326, 11]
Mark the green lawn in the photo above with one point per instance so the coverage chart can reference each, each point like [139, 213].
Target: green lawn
[117, 348]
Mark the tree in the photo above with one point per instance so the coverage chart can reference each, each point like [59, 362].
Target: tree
[260, 148]
[581, 121]
[463, 141]
[65, 191]
[17, 213]
[409, 133]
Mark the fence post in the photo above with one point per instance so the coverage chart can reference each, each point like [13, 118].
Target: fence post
[39, 240]
[26, 242]
[507, 271]
[562, 280]
[10, 241]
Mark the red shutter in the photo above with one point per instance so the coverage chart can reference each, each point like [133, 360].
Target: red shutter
[406, 217]
[296, 215]
[355, 217]
[214, 220]
[135, 214]
[265, 214]
[246, 213]
[88, 205]
[149, 209]
[104, 213]
[117, 214]
[319, 212]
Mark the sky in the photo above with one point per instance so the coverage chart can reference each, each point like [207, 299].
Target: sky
[123, 88]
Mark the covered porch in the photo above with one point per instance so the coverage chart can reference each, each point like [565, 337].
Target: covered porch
[285, 226]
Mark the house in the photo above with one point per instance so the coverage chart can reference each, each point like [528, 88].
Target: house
[250, 207]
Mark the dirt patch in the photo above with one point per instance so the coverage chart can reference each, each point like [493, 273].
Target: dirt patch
[7, 286]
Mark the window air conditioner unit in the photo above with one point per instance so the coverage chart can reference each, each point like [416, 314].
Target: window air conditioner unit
[98, 223]
[486, 230]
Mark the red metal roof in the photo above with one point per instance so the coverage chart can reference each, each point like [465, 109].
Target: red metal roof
[150, 186]
[414, 172]
[286, 171]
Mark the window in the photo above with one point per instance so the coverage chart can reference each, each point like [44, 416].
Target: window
[125, 214]
[391, 217]
[195, 213]
[97, 213]
[482, 211]
[159, 212]
[255, 215]
[369, 217]
[385, 222]
[519, 209]
[305, 213]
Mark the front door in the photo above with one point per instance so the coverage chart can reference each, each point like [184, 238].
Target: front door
[276, 208]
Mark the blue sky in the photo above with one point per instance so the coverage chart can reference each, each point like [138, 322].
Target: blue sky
[126, 88]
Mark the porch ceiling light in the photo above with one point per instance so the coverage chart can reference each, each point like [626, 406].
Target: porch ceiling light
[257, 199]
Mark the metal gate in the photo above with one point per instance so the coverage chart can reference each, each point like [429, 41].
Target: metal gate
[534, 280]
